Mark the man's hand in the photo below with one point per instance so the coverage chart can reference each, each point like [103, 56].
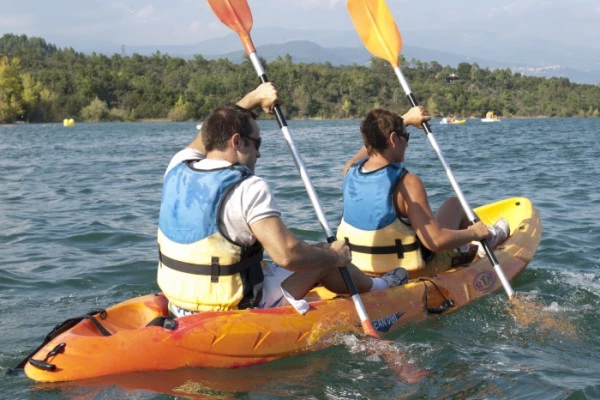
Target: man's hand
[343, 252]
[265, 96]
[416, 116]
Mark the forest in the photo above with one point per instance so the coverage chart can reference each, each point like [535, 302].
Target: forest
[42, 83]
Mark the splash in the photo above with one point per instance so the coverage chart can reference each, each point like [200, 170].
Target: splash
[526, 310]
[377, 350]
[328, 331]
[194, 390]
[395, 359]
[341, 331]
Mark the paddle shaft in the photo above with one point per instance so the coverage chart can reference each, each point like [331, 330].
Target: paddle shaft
[236, 14]
[295, 154]
[360, 308]
[459, 194]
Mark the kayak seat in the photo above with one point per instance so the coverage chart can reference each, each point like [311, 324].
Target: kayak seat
[166, 322]
[321, 293]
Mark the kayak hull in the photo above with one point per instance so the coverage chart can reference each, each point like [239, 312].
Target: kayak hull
[454, 122]
[240, 338]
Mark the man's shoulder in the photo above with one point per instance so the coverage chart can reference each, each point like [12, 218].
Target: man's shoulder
[183, 155]
[256, 199]
[255, 183]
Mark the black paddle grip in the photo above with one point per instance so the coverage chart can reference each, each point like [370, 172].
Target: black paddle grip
[277, 110]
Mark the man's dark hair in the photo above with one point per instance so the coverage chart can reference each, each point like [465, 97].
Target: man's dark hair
[376, 128]
[222, 123]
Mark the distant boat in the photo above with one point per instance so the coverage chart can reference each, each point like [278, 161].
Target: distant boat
[490, 117]
[452, 121]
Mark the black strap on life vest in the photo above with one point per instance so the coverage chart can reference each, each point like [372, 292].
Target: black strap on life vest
[399, 249]
[214, 269]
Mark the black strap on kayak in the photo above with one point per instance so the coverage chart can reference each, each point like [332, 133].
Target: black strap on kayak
[57, 330]
[445, 304]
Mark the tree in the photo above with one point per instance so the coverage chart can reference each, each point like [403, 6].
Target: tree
[302, 99]
[463, 70]
[96, 111]
[39, 82]
[11, 89]
[432, 106]
[181, 111]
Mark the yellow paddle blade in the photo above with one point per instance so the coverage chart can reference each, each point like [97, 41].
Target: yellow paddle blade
[235, 14]
[376, 27]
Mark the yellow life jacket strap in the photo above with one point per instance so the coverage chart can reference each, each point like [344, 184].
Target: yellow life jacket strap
[398, 248]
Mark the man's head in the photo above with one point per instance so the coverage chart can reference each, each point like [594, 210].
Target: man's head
[377, 129]
[231, 127]
[223, 122]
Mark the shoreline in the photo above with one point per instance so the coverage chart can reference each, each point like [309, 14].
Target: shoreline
[165, 120]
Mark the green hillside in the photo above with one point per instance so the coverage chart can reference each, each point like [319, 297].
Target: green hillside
[42, 83]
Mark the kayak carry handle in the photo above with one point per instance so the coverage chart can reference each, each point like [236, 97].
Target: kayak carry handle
[445, 304]
[43, 364]
[439, 310]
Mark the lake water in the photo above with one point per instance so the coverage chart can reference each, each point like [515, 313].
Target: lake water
[78, 216]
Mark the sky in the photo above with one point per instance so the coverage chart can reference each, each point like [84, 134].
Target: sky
[77, 23]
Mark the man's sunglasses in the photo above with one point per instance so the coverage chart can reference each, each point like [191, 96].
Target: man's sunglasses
[257, 142]
[405, 134]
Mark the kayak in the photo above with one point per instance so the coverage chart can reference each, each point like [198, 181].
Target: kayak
[490, 117]
[138, 335]
[445, 121]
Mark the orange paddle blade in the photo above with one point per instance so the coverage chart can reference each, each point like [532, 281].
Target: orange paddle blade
[235, 14]
[376, 27]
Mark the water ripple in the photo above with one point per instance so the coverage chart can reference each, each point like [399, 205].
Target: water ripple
[79, 226]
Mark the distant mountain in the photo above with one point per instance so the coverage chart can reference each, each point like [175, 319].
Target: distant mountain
[510, 48]
[529, 56]
[304, 51]
[574, 75]
[309, 52]
[260, 37]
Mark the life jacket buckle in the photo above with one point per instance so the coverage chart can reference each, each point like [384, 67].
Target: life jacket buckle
[215, 269]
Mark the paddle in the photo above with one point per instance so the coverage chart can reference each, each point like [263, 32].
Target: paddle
[378, 31]
[236, 14]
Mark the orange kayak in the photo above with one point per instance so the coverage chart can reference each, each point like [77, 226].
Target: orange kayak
[138, 335]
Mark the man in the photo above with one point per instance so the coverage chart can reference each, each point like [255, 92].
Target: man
[387, 219]
[216, 217]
